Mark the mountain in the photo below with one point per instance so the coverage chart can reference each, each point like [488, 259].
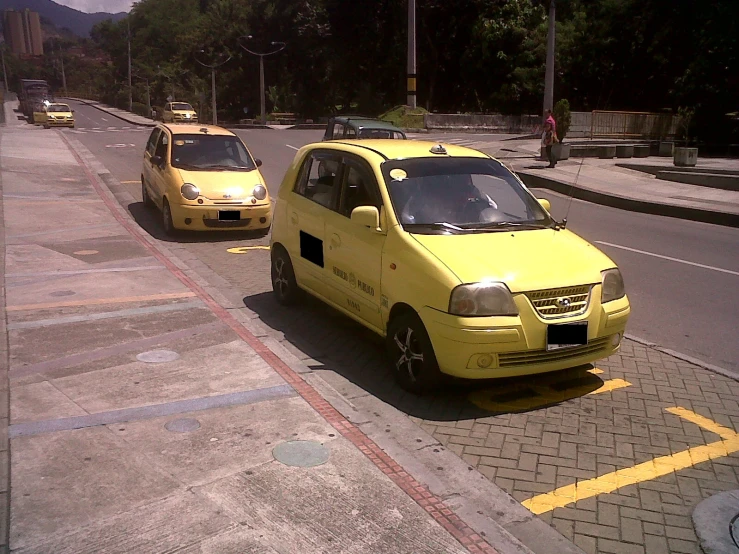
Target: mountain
[76, 21]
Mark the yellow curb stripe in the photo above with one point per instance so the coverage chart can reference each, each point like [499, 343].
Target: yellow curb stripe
[611, 385]
[595, 371]
[245, 249]
[98, 301]
[130, 182]
[646, 471]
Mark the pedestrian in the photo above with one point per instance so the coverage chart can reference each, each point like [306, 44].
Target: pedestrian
[548, 138]
[549, 118]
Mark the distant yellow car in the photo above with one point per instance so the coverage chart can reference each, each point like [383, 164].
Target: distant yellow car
[204, 178]
[446, 253]
[179, 112]
[58, 115]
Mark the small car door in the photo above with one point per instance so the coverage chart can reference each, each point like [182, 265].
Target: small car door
[314, 196]
[159, 171]
[146, 169]
[354, 256]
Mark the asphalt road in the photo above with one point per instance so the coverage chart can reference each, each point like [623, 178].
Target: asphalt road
[682, 277]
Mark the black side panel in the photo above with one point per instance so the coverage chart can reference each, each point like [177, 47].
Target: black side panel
[311, 248]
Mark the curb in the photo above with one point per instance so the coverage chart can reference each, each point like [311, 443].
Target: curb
[630, 204]
[97, 106]
[713, 520]
[481, 506]
[5, 482]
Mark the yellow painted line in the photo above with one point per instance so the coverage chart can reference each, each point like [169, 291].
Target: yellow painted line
[611, 385]
[658, 467]
[130, 182]
[595, 371]
[95, 301]
[245, 249]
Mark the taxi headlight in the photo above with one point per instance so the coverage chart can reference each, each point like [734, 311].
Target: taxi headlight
[189, 191]
[259, 192]
[612, 286]
[482, 299]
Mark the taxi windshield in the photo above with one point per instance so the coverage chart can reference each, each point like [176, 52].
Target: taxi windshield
[217, 152]
[431, 195]
[58, 108]
[182, 107]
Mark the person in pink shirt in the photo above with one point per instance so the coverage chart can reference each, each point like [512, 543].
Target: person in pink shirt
[550, 119]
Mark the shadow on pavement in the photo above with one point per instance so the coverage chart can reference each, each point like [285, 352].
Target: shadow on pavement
[334, 342]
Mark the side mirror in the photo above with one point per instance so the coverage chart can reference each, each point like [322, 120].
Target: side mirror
[258, 162]
[366, 216]
[156, 160]
[545, 204]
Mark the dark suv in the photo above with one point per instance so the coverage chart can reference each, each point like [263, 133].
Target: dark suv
[352, 127]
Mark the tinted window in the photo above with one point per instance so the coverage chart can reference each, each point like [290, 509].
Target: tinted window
[379, 134]
[59, 108]
[151, 143]
[225, 152]
[338, 131]
[319, 178]
[161, 149]
[181, 106]
[360, 188]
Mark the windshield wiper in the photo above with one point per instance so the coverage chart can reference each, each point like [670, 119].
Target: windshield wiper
[503, 224]
[440, 225]
[229, 167]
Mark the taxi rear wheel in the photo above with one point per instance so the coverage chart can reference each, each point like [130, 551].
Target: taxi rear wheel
[284, 284]
[412, 354]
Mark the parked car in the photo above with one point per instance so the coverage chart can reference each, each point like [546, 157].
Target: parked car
[179, 112]
[57, 115]
[444, 252]
[361, 127]
[204, 178]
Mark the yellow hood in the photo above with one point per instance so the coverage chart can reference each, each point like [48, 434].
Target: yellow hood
[216, 184]
[523, 260]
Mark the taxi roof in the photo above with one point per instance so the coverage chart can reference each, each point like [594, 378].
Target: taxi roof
[58, 104]
[394, 149]
[196, 129]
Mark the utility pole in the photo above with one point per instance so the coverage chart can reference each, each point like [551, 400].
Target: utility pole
[64, 75]
[130, 88]
[5, 72]
[549, 77]
[411, 53]
[213, 80]
[280, 47]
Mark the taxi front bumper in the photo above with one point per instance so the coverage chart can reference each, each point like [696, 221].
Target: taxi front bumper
[491, 347]
[60, 122]
[206, 218]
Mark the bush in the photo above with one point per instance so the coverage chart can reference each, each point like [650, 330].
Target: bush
[562, 117]
[140, 109]
[405, 117]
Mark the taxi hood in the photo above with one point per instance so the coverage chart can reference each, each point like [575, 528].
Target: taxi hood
[217, 185]
[524, 260]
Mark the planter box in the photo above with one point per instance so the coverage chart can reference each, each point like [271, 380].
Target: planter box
[666, 149]
[625, 151]
[606, 152]
[561, 151]
[685, 157]
[641, 151]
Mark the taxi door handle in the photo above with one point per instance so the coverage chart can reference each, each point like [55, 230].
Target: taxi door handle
[294, 218]
[335, 240]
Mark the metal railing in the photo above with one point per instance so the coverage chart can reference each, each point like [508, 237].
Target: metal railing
[632, 125]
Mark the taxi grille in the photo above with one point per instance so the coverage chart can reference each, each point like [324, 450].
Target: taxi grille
[554, 303]
[531, 357]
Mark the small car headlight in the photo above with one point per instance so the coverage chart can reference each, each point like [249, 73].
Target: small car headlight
[482, 299]
[259, 192]
[189, 191]
[612, 287]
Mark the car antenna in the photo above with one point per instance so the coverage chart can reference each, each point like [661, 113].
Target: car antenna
[563, 224]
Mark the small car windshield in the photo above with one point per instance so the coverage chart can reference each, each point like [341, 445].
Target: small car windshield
[431, 195]
[380, 134]
[203, 152]
[182, 106]
[59, 108]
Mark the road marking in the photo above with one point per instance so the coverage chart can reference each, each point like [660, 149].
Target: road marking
[647, 471]
[130, 182]
[103, 119]
[289, 146]
[120, 145]
[611, 385]
[96, 301]
[245, 249]
[668, 258]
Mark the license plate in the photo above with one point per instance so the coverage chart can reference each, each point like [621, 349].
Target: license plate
[567, 335]
[229, 216]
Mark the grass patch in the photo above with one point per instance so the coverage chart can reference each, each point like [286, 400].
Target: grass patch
[405, 117]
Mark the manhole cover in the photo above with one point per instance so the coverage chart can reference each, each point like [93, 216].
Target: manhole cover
[301, 453]
[184, 425]
[62, 293]
[735, 529]
[157, 356]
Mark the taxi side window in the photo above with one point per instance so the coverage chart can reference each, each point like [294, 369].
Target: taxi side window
[351, 132]
[151, 143]
[161, 149]
[319, 178]
[360, 188]
[338, 131]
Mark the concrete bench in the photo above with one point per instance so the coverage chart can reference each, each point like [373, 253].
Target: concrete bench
[641, 150]
[666, 149]
[625, 151]
[702, 179]
[606, 152]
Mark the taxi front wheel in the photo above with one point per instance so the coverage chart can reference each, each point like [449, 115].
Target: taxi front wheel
[167, 223]
[412, 354]
[284, 283]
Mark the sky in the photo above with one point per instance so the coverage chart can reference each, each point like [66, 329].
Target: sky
[91, 6]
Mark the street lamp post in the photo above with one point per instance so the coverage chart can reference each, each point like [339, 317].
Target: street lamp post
[5, 72]
[411, 53]
[281, 46]
[213, 80]
[549, 77]
[64, 75]
[130, 88]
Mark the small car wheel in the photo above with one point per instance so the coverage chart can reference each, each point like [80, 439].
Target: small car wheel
[148, 202]
[167, 223]
[412, 354]
[284, 284]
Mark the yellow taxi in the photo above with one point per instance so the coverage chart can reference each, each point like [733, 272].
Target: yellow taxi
[444, 252]
[57, 115]
[179, 112]
[204, 178]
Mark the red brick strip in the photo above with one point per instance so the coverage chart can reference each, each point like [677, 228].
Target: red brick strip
[433, 505]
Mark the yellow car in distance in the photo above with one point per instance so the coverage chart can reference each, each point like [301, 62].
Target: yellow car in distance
[446, 253]
[58, 115]
[204, 178]
[179, 112]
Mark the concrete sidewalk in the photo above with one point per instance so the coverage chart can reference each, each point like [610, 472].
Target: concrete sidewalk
[604, 182]
[144, 417]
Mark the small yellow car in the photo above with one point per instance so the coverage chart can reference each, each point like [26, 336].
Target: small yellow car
[58, 115]
[444, 252]
[204, 178]
[179, 112]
